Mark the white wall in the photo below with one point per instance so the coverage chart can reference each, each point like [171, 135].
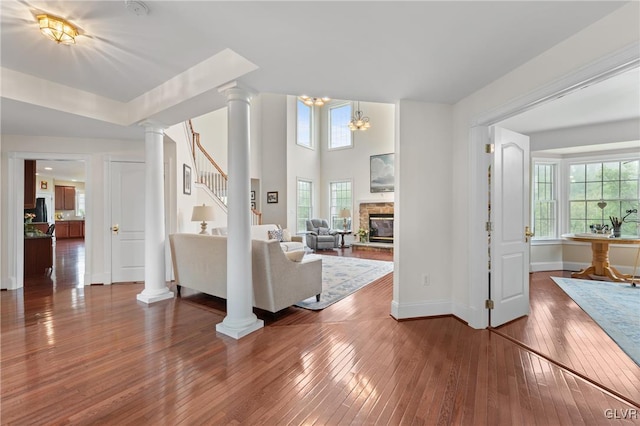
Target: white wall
[213, 135]
[354, 163]
[424, 222]
[96, 152]
[595, 134]
[605, 37]
[273, 124]
[302, 163]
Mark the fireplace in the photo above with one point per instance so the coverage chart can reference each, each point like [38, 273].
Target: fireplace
[381, 227]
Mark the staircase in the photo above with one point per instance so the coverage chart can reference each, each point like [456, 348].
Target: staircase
[209, 174]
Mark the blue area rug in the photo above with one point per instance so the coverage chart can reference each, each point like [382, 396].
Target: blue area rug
[342, 276]
[614, 306]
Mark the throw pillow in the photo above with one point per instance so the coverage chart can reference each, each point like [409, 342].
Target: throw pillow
[275, 234]
[295, 256]
[323, 231]
[286, 235]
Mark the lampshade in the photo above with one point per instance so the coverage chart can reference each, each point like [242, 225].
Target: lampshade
[57, 29]
[203, 213]
[345, 213]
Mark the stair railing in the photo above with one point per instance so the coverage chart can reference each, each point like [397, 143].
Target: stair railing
[210, 174]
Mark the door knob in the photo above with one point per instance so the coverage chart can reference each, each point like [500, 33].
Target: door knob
[115, 228]
[527, 234]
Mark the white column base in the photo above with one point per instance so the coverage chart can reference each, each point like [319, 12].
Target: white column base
[238, 333]
[152, 298]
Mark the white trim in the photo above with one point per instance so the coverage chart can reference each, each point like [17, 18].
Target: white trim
[546, 266]
[602, 69]
[599, 70]
[421, 309]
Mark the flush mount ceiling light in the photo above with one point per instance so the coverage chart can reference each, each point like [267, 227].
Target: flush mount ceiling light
[310, 101]
[57, 29]
[359, 121]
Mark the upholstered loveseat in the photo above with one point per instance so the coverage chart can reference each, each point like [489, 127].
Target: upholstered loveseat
[261, 232]
[200, 263]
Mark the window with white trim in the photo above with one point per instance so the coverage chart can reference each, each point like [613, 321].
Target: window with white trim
[340, 198]
[339, 133]
[80, 203]
[304, 125]
[545, 202]
[592, 184]
[304, 209]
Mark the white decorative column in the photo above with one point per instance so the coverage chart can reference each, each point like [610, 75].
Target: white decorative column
[155, 286]
[240, 319]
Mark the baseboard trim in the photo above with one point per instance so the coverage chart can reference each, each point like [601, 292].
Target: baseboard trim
[546, 266]
[420, 309]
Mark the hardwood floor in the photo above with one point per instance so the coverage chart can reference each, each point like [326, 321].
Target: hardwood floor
[94, 355]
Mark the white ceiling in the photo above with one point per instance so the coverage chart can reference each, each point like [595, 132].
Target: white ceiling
[371, 51]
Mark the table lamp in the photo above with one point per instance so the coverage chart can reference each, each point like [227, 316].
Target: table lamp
[202, 213]
[344, 214]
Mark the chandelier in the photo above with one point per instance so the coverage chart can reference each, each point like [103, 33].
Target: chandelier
[359, 121]
[57, 29]
[311, 101]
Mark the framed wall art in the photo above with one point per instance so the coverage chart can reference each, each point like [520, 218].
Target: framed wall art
[186, 179]
[382, 173]
[272, 197]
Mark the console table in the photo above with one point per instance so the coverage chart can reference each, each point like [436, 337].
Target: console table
[600, 256]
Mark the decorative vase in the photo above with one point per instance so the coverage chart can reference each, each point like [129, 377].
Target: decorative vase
[616, 232]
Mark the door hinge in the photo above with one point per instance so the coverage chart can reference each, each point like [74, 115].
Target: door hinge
[489, 226]
[488, 304]
[488, 148]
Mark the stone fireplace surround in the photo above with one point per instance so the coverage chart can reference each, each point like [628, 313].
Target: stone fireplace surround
[367, 208]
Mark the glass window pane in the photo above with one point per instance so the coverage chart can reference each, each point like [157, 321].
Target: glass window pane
[594, 190]
[594, 172]
[611, 190]
[304, 124]
[339, 133]
[577, 173]
[577, 210]
[577, 191]
[628, 189]
[611, 171]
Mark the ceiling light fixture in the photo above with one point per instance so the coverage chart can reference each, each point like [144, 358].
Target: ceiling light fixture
[359, 121]
[57, 29]
[310, 101]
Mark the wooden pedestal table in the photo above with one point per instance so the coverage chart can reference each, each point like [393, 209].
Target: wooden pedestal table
[600, 256]
[342, 234]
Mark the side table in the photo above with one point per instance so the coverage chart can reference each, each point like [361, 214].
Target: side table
[342, 234]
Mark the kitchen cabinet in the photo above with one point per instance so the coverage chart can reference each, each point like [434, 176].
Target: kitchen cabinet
[75, 229]
[29, 184]
[38, 255]
[69, 229]
[65, 197]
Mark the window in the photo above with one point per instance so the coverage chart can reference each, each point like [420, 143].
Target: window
[341, 198]
[80, 203]
[545, 211]
[615, 183]
[339, 133]
[304, 128]
[305, 204]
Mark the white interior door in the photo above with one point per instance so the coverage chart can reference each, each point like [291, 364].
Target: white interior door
[509, 216]
[127, 215]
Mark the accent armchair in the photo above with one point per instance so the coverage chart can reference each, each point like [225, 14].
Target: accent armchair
[320, 236]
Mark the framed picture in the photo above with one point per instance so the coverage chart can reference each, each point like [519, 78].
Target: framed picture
[43, 184]
[253, 205]
[186, 179]
[253, 195]
[272, 197]
[382, 173]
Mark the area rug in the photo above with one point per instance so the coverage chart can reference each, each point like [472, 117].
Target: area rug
[614, 306]
[342, 276]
